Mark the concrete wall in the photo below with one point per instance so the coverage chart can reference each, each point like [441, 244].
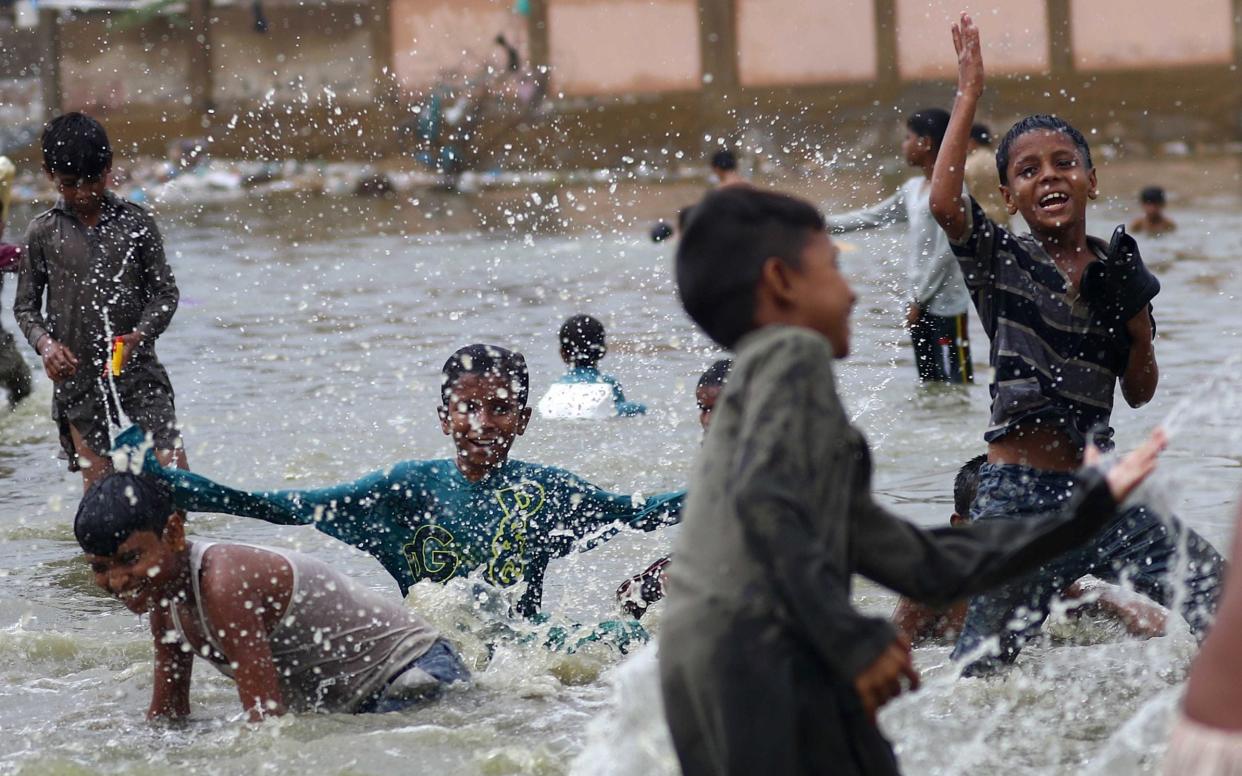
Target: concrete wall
[620, 46]
[104, 66]
[1120, 34]
[434, 38]
[797, 42]
[1015, 36]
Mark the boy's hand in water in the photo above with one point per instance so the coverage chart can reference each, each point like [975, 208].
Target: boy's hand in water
[880, 682]
[58, 360]
[1133, 468]
[969, 57]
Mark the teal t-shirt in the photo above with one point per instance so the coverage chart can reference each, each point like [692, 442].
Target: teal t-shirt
[424, 520]
[590, 375]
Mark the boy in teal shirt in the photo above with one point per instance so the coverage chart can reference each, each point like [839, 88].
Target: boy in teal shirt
[582, 347]
[447, 518]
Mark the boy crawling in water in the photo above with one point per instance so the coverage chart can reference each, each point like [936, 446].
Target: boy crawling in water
[1070, 318]
[439, 519]
[765, 665]
[292, 632]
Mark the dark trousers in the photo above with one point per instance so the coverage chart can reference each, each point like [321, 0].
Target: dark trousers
[942, 348]
[1161, 558]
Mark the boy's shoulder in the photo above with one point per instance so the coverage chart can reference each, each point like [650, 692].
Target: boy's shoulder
[228, 570]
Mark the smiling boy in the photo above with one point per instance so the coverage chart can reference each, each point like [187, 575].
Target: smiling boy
[479, 511]
[765, 665]
[1069, 316]
[294, 634]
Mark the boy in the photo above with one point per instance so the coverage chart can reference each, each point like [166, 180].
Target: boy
[919, 622]
[1068, 316]
[14, 373]
[765, 665]
[642, 590]
[1207, 736]
[1153, 221]
[582, 348]
[938, 310]
[981, 179]
[292, 632]
[724, 169]
[440, 519]
[101, 261]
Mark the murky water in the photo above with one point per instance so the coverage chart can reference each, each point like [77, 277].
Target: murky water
[307, 351]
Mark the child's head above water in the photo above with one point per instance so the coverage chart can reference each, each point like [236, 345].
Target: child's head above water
[750, 258]
[582, 341]
[707, 392]
[965, 488]
[484, 389]
[1153, 201]
[924, 134]
[77, 157]
[981, 135]
[132, 536]
[1046, 172]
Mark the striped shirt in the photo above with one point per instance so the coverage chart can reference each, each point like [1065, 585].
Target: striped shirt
[1055, 363]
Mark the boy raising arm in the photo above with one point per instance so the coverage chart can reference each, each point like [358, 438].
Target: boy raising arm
[1068, 316]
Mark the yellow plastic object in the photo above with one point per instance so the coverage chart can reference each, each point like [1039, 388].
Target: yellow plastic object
[7, 173]
[118, 356]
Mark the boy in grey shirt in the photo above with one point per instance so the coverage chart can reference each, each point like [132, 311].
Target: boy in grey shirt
[765, 665]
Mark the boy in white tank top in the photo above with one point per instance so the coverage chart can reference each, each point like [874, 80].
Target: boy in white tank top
[292, 632]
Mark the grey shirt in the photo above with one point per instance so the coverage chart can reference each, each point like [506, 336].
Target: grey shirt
[780, 515]
[100, 281]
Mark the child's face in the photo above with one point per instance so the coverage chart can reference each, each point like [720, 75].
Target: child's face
[1048, 181]
[706, 396]
[1154, 211]
[81, 195]
[821, 295]
[143, 568]
[483, 416]
[915, 149]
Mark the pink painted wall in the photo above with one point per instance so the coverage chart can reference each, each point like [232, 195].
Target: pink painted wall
[805, 41]
[103, 67]
[431, 38]
[1015, 35]
[1116, 34]
[621, 46]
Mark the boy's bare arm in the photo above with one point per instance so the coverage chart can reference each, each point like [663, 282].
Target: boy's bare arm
[1142, 375]
[949, 174]
[234, 603]
[170, 692]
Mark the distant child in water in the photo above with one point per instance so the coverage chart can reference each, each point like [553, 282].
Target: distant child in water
[582, 347]
[920, 622]
[291, 631]
[642, 590]
[99, 260]
[1153, 221]
[480, 511]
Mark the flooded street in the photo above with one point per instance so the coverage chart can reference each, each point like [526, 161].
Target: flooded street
[307, 351]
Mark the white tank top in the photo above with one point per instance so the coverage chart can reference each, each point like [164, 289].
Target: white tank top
[336, 645]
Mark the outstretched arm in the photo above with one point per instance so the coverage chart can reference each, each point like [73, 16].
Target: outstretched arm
[597, 515]
[943, 565]
[170, 691]
[946, 202]
[890, 211]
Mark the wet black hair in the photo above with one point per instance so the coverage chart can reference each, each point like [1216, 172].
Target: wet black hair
[966, 485]
[582, 340]
[75, 144]
[716, 374]
[481, 359]
[1152, 195]
[119, 506]
[981, 134]
[1031, 124]
[724, 159]
[929, 122]
[727, 239]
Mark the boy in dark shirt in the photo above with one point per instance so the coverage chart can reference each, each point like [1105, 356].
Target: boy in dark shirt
[439, 519]
[765, 665]
[101, 261]
[1068, 316]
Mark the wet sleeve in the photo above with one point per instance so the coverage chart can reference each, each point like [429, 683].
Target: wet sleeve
[793, 430]
[624, 408]
[890, 211]
[596, 515]
[977, 251]
[158, 312]
[31, 282]
[932, 276]
[943, 565]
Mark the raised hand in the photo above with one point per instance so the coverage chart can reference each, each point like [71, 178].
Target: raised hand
[969, 57]
[1133, 468]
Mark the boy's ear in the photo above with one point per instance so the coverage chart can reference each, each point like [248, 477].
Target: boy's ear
[1093, 185]
[776, 282]
[1010, 205]
[174, 531]
[523, 419]
[443, 412]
